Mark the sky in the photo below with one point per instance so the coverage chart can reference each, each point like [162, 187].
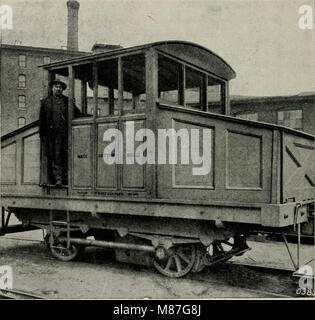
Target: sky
[260, 39]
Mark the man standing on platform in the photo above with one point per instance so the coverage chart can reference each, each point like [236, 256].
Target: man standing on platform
[53, 129]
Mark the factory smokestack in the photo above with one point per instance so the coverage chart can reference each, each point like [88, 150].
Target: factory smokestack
[73, 25]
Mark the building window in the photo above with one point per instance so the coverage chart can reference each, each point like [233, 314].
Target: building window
[46, 60]
[21, 122]
[22, 81]
[22, 102]
[22, 60]
[248, 116]
[291, 119]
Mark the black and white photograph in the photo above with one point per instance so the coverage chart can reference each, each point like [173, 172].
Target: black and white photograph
[157, 151]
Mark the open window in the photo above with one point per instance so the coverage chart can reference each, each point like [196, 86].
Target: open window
[82, 77]
[134, 97]
[184, 85]
[107, 90]
[194, 89]
[170, 81]
[215, 95]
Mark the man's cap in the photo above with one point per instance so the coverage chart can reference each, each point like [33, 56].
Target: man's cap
[52, 83]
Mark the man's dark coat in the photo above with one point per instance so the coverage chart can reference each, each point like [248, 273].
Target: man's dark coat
[53, 123]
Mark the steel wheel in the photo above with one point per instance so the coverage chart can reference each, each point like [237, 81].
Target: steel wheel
[199, 264]
[218, 249]
[221, 249]
[178, 262]
[60, 251]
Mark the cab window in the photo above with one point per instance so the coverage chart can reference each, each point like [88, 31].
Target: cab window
[133, 83]
[170, 75]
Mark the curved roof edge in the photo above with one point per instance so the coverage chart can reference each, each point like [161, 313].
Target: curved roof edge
[174, 42]
[231, 72]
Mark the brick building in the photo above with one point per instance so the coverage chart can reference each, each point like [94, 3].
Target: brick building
[23, 83]
[297, 112]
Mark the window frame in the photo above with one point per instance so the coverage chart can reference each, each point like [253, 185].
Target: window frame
[25, 61]
[20, 96]
[204, 104]
[288, 109]
[19, 82]
[21, 118]
[49, 59]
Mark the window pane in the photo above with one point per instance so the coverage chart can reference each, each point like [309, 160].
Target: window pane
[214, 95]
[81, 98]
[287, 122]
[193, 88]
[133, 83]
[22, 102]
[22, 60]
[22, 81]
[102, 101]
[107, 96]
[21, 122]
[46, 60]
[299, 114]
[169, 80]
[280, 116]
[298, 124]
[83, 90]
[291, 118]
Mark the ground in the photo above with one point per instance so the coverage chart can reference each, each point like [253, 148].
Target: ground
[96, 275]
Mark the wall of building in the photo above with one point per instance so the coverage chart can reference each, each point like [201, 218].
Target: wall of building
[35, 82]
[267, 110]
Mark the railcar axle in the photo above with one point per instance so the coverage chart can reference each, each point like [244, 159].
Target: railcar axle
[109, 244]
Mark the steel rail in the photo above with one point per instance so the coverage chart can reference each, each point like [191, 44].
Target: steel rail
[18, 294]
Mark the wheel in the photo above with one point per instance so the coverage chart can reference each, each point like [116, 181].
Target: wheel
[60, 251]
[199, 264]
[222, 249]
[217, 249]
[178, 261]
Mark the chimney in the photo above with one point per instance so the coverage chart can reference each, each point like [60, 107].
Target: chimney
[73, 25]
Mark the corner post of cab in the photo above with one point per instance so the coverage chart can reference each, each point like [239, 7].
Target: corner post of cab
[70, 117]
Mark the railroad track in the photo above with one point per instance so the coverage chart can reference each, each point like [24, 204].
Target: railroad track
[10, 294]
[263, 268]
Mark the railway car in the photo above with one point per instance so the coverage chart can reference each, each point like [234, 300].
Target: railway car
[153, 172]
